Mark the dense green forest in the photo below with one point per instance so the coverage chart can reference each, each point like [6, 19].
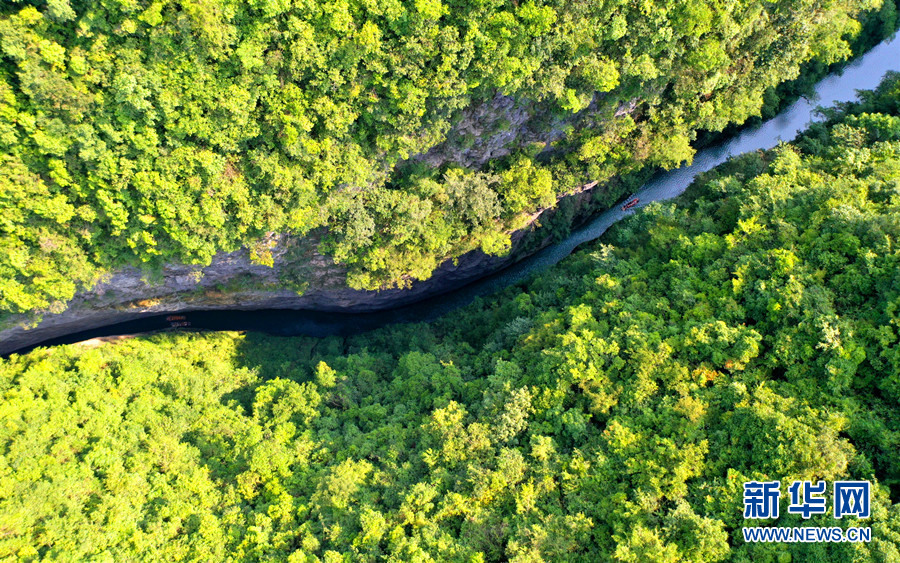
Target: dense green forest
[139, 132]
[608, 409]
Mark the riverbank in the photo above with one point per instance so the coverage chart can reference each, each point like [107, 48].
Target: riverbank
[234, 282]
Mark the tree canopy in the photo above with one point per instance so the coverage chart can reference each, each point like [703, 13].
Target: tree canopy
[609, 409]
[138, 132]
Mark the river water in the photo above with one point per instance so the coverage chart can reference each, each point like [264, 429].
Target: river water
[864, 73]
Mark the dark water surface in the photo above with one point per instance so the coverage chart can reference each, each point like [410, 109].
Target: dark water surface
[864, 73]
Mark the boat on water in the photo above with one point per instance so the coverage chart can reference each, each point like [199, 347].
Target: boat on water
[631, 203]
[178, 321]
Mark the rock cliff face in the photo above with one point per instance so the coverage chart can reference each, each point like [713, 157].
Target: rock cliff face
[233, 281]
[492, 130]
[495, 128]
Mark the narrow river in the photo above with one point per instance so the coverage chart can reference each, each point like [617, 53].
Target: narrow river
[864, 73]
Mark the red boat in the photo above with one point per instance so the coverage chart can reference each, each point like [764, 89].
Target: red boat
[630, 204]
[171, 318]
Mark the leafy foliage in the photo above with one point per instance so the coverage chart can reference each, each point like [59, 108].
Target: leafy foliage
[143, 132]
[609, 409]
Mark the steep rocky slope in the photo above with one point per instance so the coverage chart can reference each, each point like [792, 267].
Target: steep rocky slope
[300, 278]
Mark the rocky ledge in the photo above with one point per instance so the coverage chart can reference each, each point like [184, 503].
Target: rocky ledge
[232, 281]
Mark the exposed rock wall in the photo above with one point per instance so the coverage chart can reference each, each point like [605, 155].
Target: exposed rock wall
[233, 281]
[492, 130]
[495, 128]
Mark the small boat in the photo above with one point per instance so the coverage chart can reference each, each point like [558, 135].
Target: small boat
[172, 318]
[179, 324]
[630, 204]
